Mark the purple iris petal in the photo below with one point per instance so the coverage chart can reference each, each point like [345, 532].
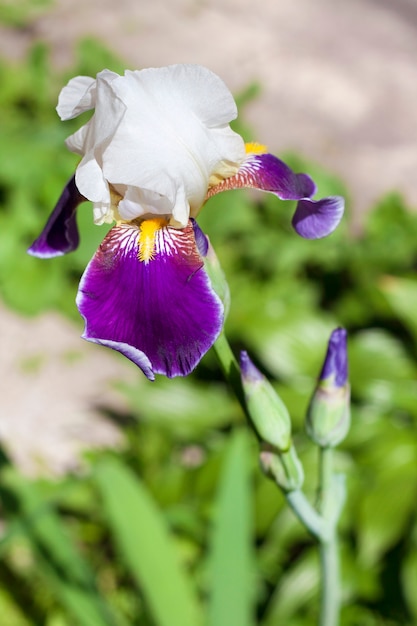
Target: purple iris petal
[336, 363]
[314, 219]
[139, 358]
[200, 239]
[268, 173]
[160, 312]
[60, 234]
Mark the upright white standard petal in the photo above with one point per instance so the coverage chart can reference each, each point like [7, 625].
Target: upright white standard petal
[157, 137]
[90, 140]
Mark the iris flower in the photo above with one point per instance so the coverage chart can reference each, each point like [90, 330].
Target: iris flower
[157, 147]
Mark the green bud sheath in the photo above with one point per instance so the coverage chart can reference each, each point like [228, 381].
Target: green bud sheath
[283, 468]
[268, 413]
[328, 417]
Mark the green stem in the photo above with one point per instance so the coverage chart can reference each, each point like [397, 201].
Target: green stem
[330, 591]
[329, 508]
[325, 481]
[230, 368]
[306, 513]
[321, 523]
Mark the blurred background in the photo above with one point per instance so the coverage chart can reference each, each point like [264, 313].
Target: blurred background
[331, 88]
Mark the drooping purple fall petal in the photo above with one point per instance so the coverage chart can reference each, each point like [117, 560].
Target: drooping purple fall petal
[313, 219]
[60, 234]
[146, 294]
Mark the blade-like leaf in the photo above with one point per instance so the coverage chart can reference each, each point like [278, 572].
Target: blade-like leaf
[409, 577]
[296, 589]
[232, 568]
[401, 294]
[147, 547]
[58, 558]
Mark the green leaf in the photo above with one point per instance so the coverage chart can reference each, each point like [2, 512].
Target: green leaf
[193, 407]
[381, 370]
[146, 546]
[389, 485]
[20, 14]
[296, 589]
[12, 614]
[84, 605]
[409, 578]
[297, 348]
[58, 558]
[231, 571]
[401, 294]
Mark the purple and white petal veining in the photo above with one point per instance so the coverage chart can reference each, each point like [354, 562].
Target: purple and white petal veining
[60, 234]
[268, 173]
[314, 219]
[161, 313]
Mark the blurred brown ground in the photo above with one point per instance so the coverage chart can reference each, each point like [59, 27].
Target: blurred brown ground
[339, 86]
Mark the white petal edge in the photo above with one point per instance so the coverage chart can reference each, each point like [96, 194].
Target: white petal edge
[76, 97]
[79, 95]
[91, 182]
[199, 88]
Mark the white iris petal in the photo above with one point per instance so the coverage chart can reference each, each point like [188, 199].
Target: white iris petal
[160, 134]
[76, 97]
[141, 202]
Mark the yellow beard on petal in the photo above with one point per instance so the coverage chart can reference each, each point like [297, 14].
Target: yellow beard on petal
[146, 240]
[255, 148]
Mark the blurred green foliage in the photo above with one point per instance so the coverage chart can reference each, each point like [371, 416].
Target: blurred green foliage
[181, 528]
[21, 13]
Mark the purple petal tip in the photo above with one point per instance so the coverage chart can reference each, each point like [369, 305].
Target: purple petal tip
[336, 362]
[314, 219]
[133, 354]
[249, 371]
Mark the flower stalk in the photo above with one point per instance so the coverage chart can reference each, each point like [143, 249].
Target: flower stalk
[230, 368]
[329, 562]
[281, 463]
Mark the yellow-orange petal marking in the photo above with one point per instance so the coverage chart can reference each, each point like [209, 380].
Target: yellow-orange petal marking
[147, 234]
[253, 147]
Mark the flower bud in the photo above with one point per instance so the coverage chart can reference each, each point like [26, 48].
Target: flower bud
[268, 413]
[284, 468]
[328, 417]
